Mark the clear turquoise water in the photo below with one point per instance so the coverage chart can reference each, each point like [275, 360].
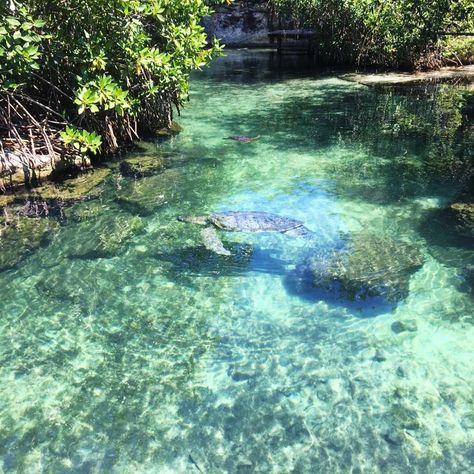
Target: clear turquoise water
[126, 346]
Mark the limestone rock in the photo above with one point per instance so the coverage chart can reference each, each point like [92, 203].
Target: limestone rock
[173, 129]
[240, 24]
[370, 265]
[64, 192]
[141, 166]
[20, 237]
[463, 216]
[103, 237]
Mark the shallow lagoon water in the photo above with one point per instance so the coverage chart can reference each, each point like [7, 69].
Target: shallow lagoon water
[126, 346]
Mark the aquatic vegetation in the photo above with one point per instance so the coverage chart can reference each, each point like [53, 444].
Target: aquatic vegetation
[463, 214]
[86, 210]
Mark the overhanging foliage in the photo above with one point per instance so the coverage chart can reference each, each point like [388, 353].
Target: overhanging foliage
[82, 76]
[400, 33]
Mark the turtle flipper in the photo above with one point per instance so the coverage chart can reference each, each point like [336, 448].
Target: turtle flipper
[212, 242]
[300, 231]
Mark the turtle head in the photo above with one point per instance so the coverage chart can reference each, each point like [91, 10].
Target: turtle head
[200, 220]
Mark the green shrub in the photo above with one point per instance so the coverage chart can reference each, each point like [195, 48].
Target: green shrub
[401, 33]
[109, 71]
[459, 49]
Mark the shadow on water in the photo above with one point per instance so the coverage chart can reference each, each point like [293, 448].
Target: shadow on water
[245, 260]
[262, 66]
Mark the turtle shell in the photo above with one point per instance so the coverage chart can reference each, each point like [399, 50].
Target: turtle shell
[253, 222]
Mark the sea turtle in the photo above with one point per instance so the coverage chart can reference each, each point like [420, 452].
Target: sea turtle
[243, 221]
[243, 138]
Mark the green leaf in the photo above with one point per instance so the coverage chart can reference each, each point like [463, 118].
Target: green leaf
[39, 23]
[13, 22]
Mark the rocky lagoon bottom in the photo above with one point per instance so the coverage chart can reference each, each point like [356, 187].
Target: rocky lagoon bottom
[127, 346]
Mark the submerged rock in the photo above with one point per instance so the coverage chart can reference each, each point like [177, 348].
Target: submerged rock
[449, 232]
[22, 236]
[451, 225]
[102, 238]
[463, 216]
[144, 197]
[370, 265]
[408, 78]
[173, 129]
[58, 194]
[141, 166]
[74, 188]
[404, 326]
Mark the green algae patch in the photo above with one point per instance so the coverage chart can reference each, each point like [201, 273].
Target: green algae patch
[21, 237]
[83, 211]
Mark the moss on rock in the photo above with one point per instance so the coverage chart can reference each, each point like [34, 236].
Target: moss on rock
[141, 166]
[70, 189]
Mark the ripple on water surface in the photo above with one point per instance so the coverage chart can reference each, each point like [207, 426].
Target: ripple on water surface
[126, 346]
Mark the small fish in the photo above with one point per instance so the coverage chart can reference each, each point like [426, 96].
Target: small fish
[192, 461]
[243, 138]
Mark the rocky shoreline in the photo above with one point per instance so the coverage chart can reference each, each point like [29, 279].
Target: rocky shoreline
[241, 24]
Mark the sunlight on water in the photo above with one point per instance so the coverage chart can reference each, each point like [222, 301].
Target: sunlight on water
[127, 346]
